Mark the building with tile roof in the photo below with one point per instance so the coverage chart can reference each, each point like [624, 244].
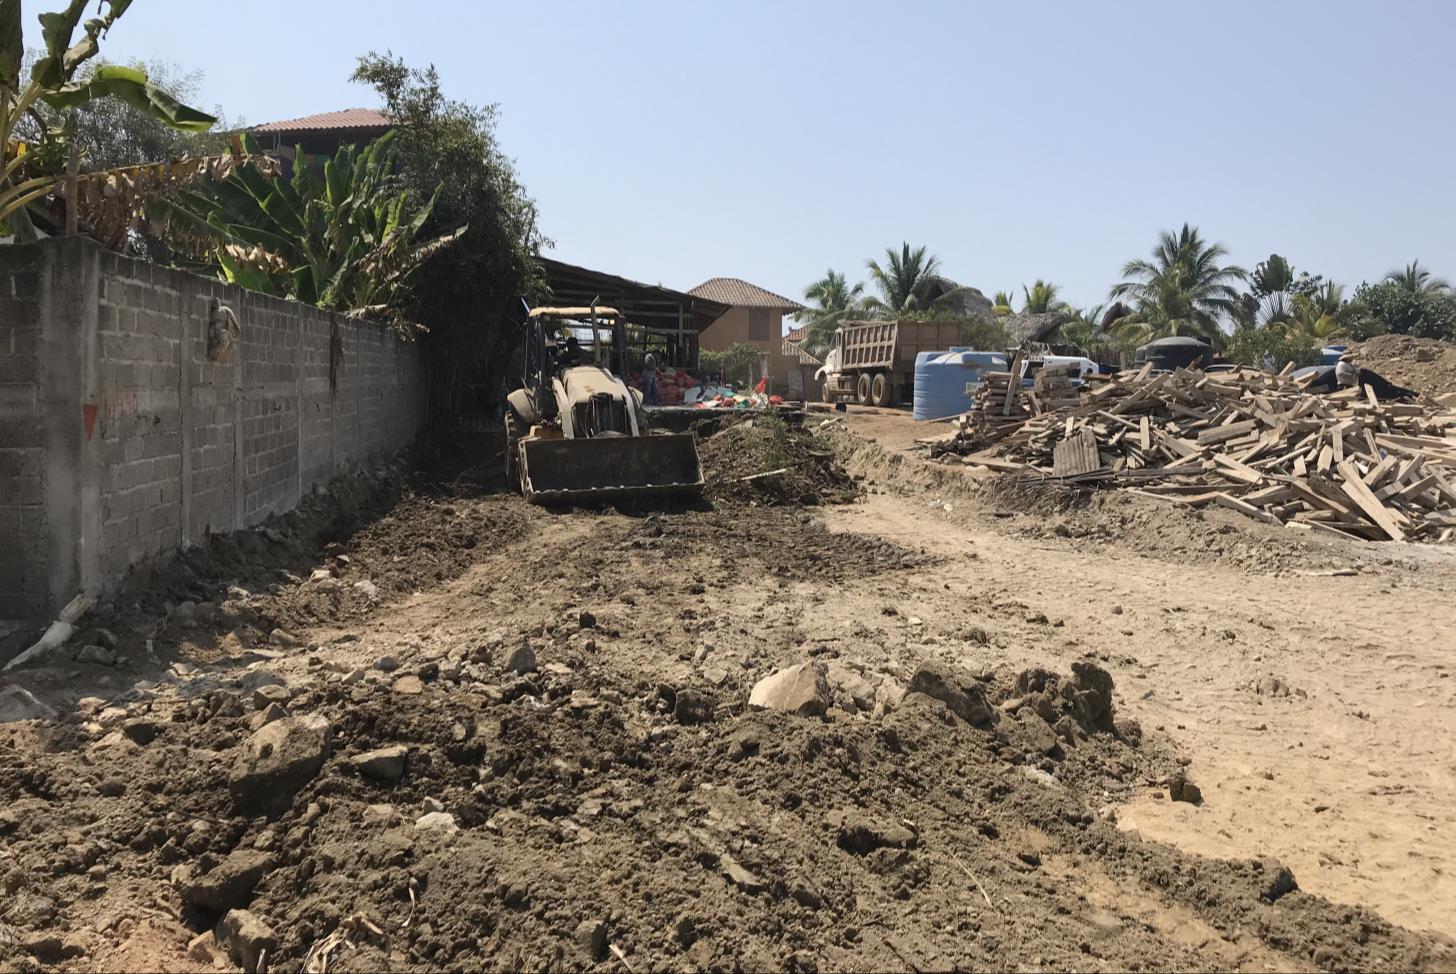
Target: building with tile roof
[756, 316]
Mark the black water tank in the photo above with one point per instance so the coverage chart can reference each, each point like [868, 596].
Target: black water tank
[1176, 352]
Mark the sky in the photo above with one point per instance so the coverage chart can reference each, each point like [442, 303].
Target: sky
[671, 142]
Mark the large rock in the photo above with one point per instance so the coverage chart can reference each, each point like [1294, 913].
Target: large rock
[968, 703]
[1092, 689]
[279, 760]
[247, 939]
[226, 886]
[850, 687]
[801, 690]
[18, 703]
[385, 764]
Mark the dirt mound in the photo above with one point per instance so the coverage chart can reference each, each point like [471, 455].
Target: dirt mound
[547, 819]
[764, 460]
[1427, 365]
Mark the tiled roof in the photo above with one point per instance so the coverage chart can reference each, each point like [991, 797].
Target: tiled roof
[796, 335]
[349, 118]
[741, 294]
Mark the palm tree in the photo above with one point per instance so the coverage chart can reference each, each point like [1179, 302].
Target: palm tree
[1041, 298]
[834, 298]
[903, 280]
[1001, 304]
[1417, 280]
[1183, 290]
[1313, 318]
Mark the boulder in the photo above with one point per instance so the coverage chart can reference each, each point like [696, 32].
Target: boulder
[99, 655]
[247, 939]
[437, 822]
[226, 886]
[277, 761]
[18, 703]
[851, 686]
[967, 703]
[522, 660]
[385, 764]
[274, 693]
[801, 689]
[693, 706]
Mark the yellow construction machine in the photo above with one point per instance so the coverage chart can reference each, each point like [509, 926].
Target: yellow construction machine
[576, 433]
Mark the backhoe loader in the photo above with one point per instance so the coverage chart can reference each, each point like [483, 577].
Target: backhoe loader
[576, 433]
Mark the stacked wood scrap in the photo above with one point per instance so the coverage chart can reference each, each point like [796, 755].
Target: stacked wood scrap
[1253, 442]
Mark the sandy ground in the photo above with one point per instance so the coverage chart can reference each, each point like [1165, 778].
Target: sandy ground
[621, 794]
[1317, 708]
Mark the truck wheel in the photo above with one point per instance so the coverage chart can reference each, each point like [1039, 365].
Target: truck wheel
[862, 389]
[881, 391]
[828, 391]
[514, 432]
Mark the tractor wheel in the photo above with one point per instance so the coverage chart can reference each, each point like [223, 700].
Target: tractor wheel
[862, 389]
[514, 431]
[881, 391]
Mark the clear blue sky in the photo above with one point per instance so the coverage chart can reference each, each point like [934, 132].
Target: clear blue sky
[678, 141]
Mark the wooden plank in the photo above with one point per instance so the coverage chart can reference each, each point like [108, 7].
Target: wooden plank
[1385, 518]
[1235, 470]
[1248, 510]
[1145, 435]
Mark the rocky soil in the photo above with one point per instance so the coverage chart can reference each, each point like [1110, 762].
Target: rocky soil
[425, 726]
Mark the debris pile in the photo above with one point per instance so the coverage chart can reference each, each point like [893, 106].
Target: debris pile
[768, 461]
[1427, 365]
[1254, 442]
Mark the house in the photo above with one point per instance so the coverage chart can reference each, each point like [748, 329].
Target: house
[320, 134]
[756, 316]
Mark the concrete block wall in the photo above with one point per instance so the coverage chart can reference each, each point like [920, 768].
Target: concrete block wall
[23, 555]
[120, 440]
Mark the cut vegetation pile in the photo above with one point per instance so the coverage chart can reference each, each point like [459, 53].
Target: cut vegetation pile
[1251, 441]
[767, 461]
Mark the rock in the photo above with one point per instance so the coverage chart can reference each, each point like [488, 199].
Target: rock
[266, 716]
[801, 689]
[1035, 734]
[98, 655]
[386, 664]
[522, 660]
[368, 588]
[851, 684]
[586, 620]
[384, 764]
[1275, 879]
[409, 685]
[18, 703]
[1092, 691]
[1180, 789]
[433, 805]
[141, 731]
[967, 704]
[693, 706]
[284, 638]
[591, 937]
[247, 939]
[437, 822]
[104, 637]
[227, 885]
[743, 878]
[858, 833]
[276, 693]
[277, 761]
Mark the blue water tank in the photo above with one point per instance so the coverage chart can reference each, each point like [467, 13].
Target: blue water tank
[945, 381]
[1330, 354]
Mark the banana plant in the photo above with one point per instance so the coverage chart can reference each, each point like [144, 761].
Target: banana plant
[31, 169]
[338, 233]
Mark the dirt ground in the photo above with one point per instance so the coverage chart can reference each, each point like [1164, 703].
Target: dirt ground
[1012, 684]
[1426, 365]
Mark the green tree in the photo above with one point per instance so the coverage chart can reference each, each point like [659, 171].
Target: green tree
[34, 148]
[1041, 298]
[343, 235]
[903, 279]
[1417, 280]
[468, 295]
[1001, 304]
[834, 300]
[1392, 306]
[1183, 290]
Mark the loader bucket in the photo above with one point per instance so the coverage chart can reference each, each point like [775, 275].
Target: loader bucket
[605, 468]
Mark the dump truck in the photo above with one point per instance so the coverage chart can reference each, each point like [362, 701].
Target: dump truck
[873, 362]
[575, 432]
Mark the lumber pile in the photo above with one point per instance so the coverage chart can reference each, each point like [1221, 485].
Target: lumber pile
[1250, 441]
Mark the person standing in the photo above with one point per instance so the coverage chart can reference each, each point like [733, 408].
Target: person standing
[649, 380]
